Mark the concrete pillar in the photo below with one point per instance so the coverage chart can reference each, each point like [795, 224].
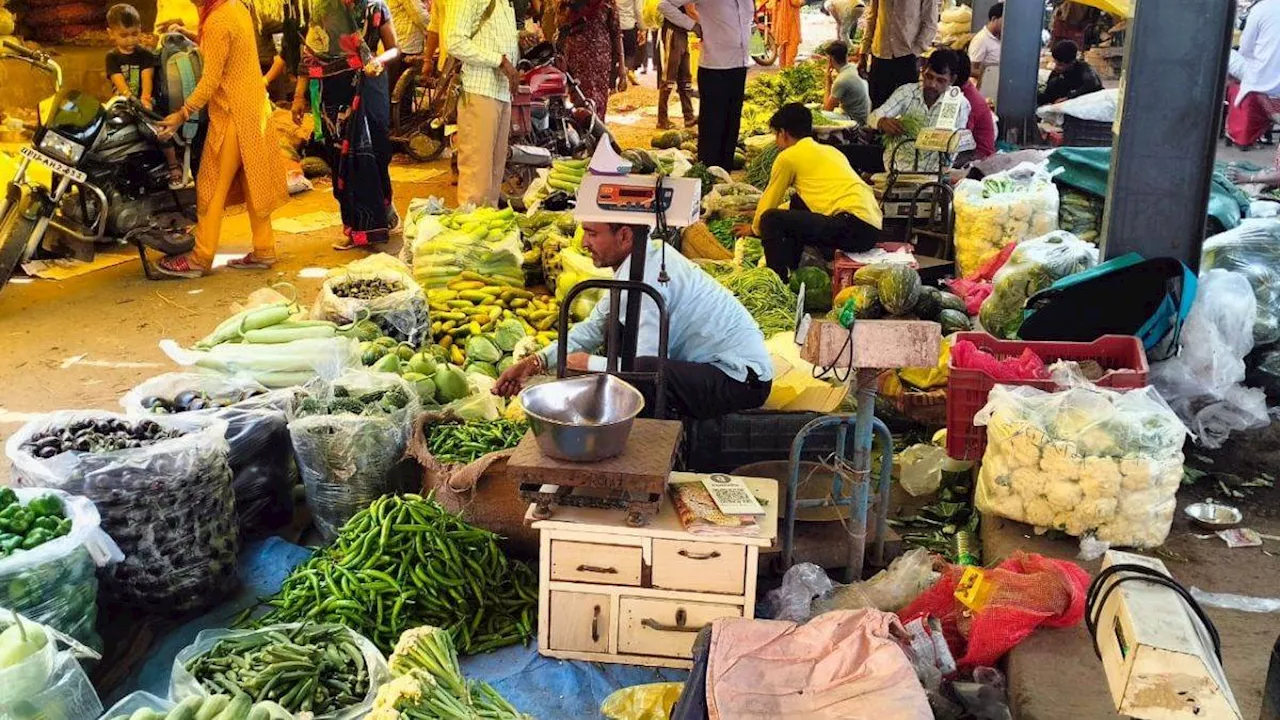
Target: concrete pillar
[1174, 78]
[1019, 68]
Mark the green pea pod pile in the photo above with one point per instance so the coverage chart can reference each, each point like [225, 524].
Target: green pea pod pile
[464, 442]
[405, 562]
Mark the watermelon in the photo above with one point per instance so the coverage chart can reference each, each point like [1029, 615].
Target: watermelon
[929, 304]
[899, 288]
[953, 321]
[950, 301]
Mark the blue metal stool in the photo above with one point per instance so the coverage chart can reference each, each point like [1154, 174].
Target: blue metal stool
[858, 496]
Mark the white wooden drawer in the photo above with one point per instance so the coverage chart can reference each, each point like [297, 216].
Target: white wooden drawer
[579, 622]
[665, 628]
[595, 563]
[699, 566]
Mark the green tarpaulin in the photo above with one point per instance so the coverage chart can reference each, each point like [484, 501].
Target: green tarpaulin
[1087, 169]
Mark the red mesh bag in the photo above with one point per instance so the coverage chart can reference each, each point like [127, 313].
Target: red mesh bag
[1026, 366]
[977, 287]
[1028, 591]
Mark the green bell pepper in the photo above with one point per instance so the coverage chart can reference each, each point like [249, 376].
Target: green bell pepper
[46, 522]
[18, 522]
[7, 497]
[64, 527]
[10, 542]
[36, 537]
[46, 506]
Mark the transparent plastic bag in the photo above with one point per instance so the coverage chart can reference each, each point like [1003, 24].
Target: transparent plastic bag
[183, 684]
[889, 590]
[29, 676]
[731, 200]
[440, 253]
[261, 458]
[134, 702]
[1034, 265]
[401, 314]
[169, 506]
[1004, 207]
[278, 365]
[346, 460]
[56, 583]
[67, 695]
[1252, 249]
[801, 585]
[1083, 460]
[1097, 106]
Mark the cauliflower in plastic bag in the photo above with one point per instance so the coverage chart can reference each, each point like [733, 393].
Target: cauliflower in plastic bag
[1004, 207]
[1083, 460]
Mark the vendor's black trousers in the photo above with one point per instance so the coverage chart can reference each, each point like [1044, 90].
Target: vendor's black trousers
[720, 94]
[889, 74]
[784, 233]
[700, 391]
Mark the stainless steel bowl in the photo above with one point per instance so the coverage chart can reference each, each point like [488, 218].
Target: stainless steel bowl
[1214, 516]
[582, 419]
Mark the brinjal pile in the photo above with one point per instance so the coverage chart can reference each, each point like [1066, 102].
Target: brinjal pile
[189, 400]
[366, 288]
[96, 436]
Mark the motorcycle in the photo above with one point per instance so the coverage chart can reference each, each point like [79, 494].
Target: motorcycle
[550, 117]
[763, 44]
[110, 179]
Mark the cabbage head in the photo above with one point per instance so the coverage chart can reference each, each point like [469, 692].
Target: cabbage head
[507, 334]
[817, 287]
[481, 349]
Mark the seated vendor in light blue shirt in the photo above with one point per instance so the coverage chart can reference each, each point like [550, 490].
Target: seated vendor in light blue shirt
[717, 362]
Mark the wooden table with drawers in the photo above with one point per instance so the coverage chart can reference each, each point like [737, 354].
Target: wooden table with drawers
[609, 592]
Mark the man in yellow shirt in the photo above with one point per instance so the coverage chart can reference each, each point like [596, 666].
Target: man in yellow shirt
[833, 208]
[435, 44]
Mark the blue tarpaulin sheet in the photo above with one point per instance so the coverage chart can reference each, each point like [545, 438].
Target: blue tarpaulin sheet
[541, 686]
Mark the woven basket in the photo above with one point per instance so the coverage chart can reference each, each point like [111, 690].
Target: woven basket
[927, 407]
[698, 242]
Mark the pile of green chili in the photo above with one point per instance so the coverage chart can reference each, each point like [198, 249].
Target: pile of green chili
[765, 296]
[403, 562]
[464, 442]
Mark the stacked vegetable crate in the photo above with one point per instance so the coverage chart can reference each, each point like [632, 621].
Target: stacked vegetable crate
[1121, 357]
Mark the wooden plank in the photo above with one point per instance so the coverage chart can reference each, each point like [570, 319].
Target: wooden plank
[875, 344]
[650, 453]
[681, 595]
[666, 524]
[598, 538]
[544, 591]
[580, 621]
[699, 566]
[749, 592]
[592, 563]
[621, 659]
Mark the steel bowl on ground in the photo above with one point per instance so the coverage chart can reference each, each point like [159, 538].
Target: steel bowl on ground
[582, 419]
[1214, 516]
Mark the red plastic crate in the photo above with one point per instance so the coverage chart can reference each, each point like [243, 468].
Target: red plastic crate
[844, 268]
[1121, 356]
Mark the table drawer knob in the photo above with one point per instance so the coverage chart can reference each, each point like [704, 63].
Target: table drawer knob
[601, 570]
[680, 625]
[699, 556]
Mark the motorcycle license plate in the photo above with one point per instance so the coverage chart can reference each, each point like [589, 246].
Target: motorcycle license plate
[32, 154]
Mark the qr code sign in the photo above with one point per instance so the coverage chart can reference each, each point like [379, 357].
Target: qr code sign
[731, 495]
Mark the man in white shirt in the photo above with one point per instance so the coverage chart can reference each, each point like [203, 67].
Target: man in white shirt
[716, 363]
[984, 48]
[922, 103]
[725, 27]
[630, 21]
[1256, 100]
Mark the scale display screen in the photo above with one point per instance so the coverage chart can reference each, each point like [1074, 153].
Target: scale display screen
[615, 196]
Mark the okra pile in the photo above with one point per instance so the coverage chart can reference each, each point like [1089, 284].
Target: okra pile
[404, 562]
[312, 668]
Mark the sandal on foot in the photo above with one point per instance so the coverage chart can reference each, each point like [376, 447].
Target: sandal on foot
[249, 262]
[179, 266]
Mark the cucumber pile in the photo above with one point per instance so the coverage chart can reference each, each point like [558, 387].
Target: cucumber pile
[216, 707]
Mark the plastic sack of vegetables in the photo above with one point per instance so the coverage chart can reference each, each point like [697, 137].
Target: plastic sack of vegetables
[378, 287]
[1004, 207]
[733, 200]
[55, 582]
[1085, 460]
[38, 681]
[1253, 250]
[349, 435]
[358, 667]
[279, 365]
[164, 496]
[261, 458]
[484, 240]
[1033, 266]
[156, 707]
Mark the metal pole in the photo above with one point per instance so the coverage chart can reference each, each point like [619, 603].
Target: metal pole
[1019, 67]
[862, 433]
[1174, 79]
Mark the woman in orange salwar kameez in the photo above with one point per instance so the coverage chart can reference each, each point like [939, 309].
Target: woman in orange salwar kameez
[786, 30]
[241, 161]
